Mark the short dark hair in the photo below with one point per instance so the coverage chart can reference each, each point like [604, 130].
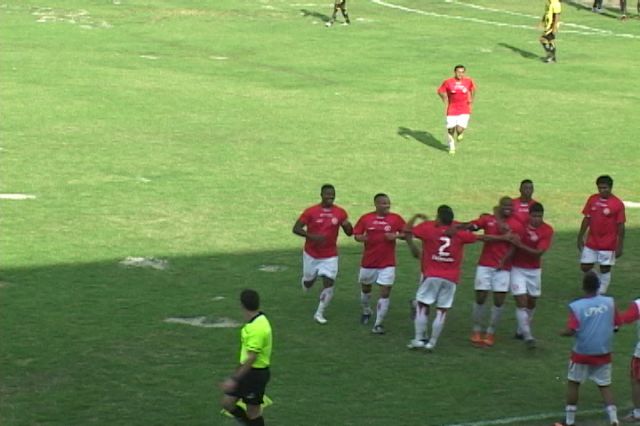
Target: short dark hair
[379, 194]
[536, 208]
[590, 282]
[250, 300]
[526, 181]
[459, 66]
[326, 186]
[506, 199]
[445, 214]
[606, 179]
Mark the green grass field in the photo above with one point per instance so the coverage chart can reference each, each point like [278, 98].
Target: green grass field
[197, 131]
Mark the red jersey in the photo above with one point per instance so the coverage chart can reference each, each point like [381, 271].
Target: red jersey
[325, 221]
[459, 95]
[442, 254]
[378, 251]
[537, 238]
[493, 252]
[605, 214]
[521, 210]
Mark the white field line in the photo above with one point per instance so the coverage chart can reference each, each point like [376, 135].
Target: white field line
[632, 204]
[511, 420]
[17, 197]
[589, 30]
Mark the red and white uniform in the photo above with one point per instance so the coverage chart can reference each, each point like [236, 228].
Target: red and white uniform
[632, 314]
[442, 254]
[494, 252]
[379, 252]
[459, 95]
[537, 238]
[605, 214]
[325, 221]
[521, 210]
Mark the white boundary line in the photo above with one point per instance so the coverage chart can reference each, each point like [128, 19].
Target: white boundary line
[511, 420]
[589, 30]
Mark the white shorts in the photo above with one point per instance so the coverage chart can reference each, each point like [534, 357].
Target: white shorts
[601, 257]
[600, 374]
[461, 120]
[526, 281]
[312, 267]
[380, 276]
[436, 291]
[492, 279]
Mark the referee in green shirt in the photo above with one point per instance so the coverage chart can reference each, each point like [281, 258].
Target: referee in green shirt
[250, 379]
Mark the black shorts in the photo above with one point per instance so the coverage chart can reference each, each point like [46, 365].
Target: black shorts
[549, 36]
[252, 386]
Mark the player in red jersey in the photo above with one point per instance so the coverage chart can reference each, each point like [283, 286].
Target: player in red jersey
[604, 218]
[492, 273]
[319, 226]
[526, 272]
[522, 204]
[441, 260]
[457, 93]
[379, 231]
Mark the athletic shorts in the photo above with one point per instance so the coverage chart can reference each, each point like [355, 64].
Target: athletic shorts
[526, 281]
[461, 120]
[380, 276]
[634, 369]
[492, 279]
[601, 257]
[252, 386]
[549, 35]
[600, 374]
[312, 267]
[436, 291]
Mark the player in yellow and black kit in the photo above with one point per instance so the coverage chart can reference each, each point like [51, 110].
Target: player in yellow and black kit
[342, 5]
[250, 379]
[550, 22]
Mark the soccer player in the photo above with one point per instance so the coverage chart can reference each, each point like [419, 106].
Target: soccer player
[522, 204]
[550, 23]
[604, 218]
[342, 6]
[319, 226]
[457, 93]
[591, 321]
[250, 378]
[632, 314]
[378, 231]
[441, 261]
[526, 272]
[492, 272]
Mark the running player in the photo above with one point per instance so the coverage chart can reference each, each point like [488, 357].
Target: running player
[319, 226]
[457, 93]
[604, 218]
[378, 231]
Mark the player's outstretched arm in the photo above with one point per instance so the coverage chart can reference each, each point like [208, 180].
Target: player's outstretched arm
[347, 228]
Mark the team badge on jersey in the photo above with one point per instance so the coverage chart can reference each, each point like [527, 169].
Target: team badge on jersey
[334, 220]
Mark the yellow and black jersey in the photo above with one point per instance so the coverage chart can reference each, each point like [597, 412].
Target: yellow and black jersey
[552, 8]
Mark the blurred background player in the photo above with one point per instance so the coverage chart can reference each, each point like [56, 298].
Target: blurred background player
[522, 204]
[591, 321]
[494, 265]
[378, 230]
[342, 6]
[457, 93]
[319, 226]
[526, 272]
[632, 314]
[604, 218]
[550, 22]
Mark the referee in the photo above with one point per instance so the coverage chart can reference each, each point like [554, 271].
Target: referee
[250, 378]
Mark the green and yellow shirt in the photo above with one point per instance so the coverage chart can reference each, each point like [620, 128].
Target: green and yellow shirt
[256, 337]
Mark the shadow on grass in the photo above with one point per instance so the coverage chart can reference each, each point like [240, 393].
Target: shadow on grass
[422, 136]
[524, 53]
[87, 343]
[611, 12]
[314, 14]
